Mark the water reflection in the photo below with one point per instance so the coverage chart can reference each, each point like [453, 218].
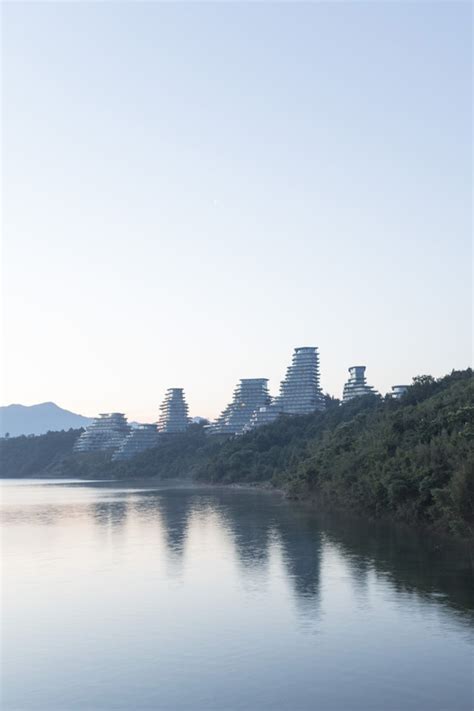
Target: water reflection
[260, 526]
[175, 512]
[412, 561]
[124, 587]
[109, 514]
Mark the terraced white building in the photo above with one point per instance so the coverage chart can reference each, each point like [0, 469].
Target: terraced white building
[264, 416]
[174, 416]
[300, 391]
[250, 394]
[138, 440]
[105, 433]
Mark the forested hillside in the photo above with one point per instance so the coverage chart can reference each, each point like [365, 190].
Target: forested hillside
[30, 456]
[411, 459]
[178, 456]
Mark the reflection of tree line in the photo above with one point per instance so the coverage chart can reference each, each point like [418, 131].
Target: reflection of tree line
[412, 563]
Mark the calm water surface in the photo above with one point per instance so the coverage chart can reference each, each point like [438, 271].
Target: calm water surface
[130, 597]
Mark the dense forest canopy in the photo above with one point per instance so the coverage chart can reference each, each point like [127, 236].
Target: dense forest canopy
[30, 455]
[410, 459]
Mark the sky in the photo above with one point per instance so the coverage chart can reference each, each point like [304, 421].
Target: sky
[191, 190]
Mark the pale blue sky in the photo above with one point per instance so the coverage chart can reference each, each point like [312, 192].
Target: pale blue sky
[191, 190]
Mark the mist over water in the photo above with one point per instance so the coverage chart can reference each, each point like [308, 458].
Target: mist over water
[122, 596]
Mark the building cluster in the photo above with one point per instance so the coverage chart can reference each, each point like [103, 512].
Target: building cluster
[300, 391]
[300, 394]
[112, 433]
[251, 406]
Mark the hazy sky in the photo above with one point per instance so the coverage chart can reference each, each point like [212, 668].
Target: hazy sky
[190, 190]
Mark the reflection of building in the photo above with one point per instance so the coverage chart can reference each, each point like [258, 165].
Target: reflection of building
[249, 395]
[302, 548]
[105, 433]
[261, 525]
[398, 391]
[173, 412]
[301, 543]
[111, 515]
[140, 438]
[175, 508]
[357, 384]
[300, 391]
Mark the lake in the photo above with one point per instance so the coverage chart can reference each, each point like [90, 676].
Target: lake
[131, 596]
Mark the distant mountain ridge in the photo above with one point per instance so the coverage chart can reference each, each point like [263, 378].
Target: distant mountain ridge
[38, 419]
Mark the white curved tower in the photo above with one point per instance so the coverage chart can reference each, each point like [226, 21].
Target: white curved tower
[357, 384]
